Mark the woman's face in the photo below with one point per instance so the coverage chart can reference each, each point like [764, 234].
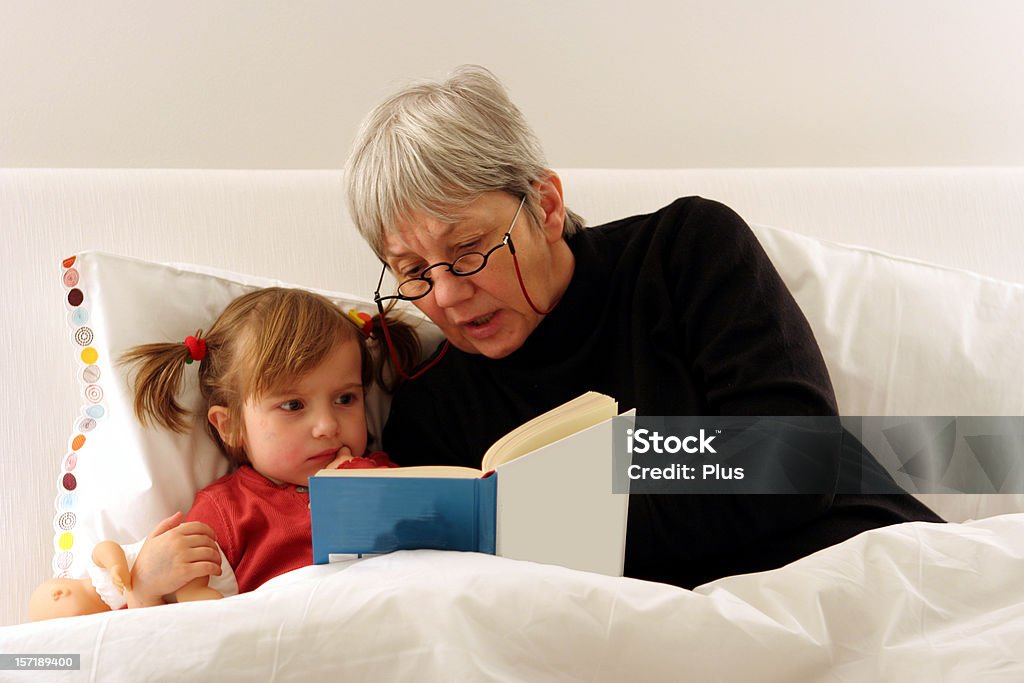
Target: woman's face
[487, 312]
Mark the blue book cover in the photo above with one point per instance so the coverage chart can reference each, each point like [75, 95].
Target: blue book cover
[369, 515]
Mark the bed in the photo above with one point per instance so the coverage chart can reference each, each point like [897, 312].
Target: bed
[910, 279]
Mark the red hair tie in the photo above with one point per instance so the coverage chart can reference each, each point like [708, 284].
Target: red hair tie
[196, 348]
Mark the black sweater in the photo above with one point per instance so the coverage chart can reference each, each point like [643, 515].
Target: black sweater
[679, 312]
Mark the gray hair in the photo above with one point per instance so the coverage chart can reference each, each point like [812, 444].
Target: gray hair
[437, 146]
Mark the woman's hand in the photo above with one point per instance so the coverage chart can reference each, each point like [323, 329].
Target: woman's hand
[173, 554]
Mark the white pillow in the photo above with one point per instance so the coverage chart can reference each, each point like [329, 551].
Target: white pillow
[905, 338]
[119, 479]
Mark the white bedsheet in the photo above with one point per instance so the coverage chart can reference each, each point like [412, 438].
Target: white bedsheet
[915, 602]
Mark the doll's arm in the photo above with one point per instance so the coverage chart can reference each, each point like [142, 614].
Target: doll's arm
[110, 556]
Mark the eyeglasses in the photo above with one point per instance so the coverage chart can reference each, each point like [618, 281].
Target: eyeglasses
[468, 264]
[419, 286]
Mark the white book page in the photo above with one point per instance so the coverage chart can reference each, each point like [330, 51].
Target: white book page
[559, 422]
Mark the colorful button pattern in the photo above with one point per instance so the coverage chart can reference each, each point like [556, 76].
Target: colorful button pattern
[66, 521]
[94, 393]
[91, 374]
[83, 336]
[61, 562]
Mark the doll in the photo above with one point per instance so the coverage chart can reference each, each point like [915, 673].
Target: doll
[104, 590]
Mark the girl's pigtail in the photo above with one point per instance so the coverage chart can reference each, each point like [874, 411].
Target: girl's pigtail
[159, 369]
[405, 344]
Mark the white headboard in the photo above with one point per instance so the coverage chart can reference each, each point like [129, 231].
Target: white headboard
[969, 218]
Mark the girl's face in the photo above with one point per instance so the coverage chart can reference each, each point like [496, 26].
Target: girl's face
[296, 430]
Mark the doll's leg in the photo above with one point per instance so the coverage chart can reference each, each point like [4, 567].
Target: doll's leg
[197, 589]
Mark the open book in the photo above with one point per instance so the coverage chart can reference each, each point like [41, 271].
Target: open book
[559, 422]
[543, 493]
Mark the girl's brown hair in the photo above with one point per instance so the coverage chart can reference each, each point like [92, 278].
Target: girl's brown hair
[261, 340]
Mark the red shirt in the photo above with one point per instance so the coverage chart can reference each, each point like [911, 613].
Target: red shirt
[262, 527]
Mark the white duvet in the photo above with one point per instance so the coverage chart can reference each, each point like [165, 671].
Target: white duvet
[915, 602]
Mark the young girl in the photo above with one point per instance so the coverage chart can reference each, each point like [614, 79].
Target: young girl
[282, 374]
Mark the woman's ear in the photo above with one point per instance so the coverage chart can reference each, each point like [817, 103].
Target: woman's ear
[552, 205]
[220, 418]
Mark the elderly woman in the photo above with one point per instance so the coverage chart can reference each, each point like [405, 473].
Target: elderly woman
[678, 312]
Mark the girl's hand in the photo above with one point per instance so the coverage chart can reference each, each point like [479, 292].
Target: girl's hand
[344, 455]
[173, 554]
[371, 462]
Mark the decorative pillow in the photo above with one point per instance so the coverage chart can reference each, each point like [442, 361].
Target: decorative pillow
[118, 479]
[907, 338]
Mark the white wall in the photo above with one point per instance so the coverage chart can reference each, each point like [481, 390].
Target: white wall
[669, 83]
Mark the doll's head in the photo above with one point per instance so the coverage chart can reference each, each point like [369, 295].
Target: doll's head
[56, 598]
